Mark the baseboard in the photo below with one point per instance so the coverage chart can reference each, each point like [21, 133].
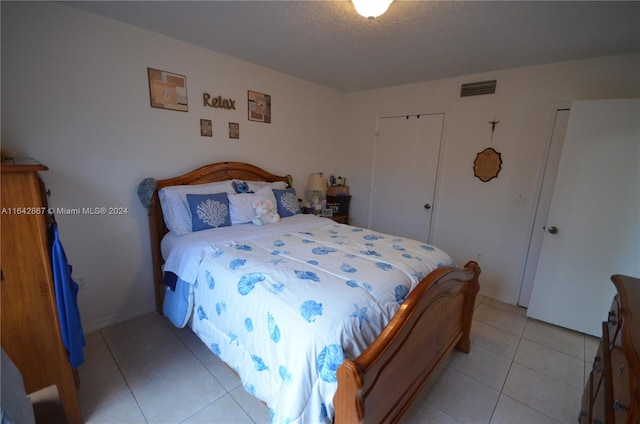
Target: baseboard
[92, 326]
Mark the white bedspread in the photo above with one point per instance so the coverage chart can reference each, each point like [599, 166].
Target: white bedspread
[284, 304]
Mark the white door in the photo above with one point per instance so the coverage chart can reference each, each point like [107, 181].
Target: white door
[404, 180]
[593, 227]
[554, 149]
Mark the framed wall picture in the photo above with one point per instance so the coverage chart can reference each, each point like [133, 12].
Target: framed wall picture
[206, 128]
[259, 107]
[234, 130]
[168, 90]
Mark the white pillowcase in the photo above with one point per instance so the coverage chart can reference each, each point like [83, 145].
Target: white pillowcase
[241, 205]
[258, 185]
[175, 207]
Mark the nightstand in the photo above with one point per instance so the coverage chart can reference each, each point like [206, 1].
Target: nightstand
[340, 206]
[340, 219]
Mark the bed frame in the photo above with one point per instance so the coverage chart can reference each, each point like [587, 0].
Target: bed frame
[379, 385]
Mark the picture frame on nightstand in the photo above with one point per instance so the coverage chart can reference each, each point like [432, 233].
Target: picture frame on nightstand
[327, 213]
[339, 206]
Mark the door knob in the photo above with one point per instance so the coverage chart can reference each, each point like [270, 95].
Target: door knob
[427, 206]
[553, 230]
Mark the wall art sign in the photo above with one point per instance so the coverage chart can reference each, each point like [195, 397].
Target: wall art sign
[206, 128]
[259, 107]
[234, 130]
[218, 102]
[168, 90]
[487, 165]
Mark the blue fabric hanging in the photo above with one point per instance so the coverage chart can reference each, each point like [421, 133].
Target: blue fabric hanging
[67, 302]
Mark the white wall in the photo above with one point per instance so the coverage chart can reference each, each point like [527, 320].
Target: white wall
[472, 216]
[75, 96]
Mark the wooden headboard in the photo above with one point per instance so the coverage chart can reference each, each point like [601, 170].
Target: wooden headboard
[220, 171]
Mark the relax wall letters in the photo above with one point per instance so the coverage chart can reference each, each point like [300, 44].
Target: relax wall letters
[218, 102]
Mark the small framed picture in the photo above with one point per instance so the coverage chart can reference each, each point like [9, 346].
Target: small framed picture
[234, 130]
[206, 128]
[327, 213]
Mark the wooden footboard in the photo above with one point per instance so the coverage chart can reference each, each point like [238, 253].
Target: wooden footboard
[380, 385]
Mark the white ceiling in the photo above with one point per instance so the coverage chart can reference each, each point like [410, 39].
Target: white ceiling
[327, 42]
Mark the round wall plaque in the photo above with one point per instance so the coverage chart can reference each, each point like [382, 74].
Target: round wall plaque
[487, 165]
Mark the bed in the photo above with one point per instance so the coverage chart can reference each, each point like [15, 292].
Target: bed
[407, 304]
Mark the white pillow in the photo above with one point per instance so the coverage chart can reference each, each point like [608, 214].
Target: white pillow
[258, 185]
[241, 205]
[175, 207]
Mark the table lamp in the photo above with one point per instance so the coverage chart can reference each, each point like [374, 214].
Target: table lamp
[315, 185]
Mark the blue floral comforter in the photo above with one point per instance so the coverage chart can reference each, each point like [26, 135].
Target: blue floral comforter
[284, 304]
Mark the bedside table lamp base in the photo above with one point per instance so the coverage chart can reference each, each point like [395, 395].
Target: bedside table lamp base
[316, 184]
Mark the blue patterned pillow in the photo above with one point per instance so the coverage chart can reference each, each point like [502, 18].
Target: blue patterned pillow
[287, 202]
[209, 211]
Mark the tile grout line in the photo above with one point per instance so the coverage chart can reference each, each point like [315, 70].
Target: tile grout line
[226, 392]
[513, 360]
[113, 358]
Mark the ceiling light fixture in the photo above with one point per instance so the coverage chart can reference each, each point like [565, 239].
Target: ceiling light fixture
[371, 9]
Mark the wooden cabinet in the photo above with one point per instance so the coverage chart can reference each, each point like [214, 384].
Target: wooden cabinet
[30, 326]
[612, 393]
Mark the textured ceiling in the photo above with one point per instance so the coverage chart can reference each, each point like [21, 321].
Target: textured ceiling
[327, 42]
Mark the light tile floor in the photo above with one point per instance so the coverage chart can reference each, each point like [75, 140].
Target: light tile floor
[519, 371]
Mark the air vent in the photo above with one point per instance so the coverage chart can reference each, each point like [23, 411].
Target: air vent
[478, 88]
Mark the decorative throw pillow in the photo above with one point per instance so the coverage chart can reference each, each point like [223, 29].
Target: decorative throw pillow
[209, 211]
[175, 207]
[287, 202]
[241, 205]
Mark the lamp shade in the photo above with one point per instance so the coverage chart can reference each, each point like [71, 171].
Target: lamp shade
[371, 9]
[317, 182]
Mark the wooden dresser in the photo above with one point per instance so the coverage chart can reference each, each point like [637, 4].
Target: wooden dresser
[30, 329]
[612, 393]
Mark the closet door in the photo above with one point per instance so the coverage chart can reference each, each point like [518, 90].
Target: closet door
[593, 227]
[560, 120]
[404, 180]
